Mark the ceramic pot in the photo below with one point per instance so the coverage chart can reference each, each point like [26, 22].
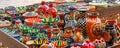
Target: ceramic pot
[78, 35]
[111, 28]
[93, 22]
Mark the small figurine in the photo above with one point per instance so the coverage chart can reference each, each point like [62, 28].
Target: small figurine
[24, 39]
[52, 11]
[78, 35]
[100, 42]
[42, 9]
[75, 46]
[70, 17]
[55, 33]
[88, 44]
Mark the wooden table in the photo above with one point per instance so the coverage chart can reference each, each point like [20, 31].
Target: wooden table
[10, 42]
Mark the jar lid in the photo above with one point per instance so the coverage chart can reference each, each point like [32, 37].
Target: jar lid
[43, 2]
[75, 44]
[77, 29]
[111, 21]
[56, 29]
[68, 27]
[50, 5]
[83, 10]
[45, 26]
[72, 8]
[92, 13]
[48, 30]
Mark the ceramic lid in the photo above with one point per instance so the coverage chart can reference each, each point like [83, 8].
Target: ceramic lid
[111, 21]
[93, 13]
[77, 29]
[46, 27]
[68, 27]
[56, 29]
[48, 30]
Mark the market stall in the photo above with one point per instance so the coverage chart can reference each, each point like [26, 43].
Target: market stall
[61, 25]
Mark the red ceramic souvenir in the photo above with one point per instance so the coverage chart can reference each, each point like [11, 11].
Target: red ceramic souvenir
[49, 33]
[88, 44]
[93, 22]
[46, 27]
[52, 11]
[13, 15]
[43, 7]
[30, 21]
[75, 46]
[78, 35]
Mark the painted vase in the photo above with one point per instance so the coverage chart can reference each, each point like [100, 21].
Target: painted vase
[52, 11]
[111, 28]
[93, 23]
[55, 33]
[42, 9]
[78, 35]
[68, 34]
[70, 17]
